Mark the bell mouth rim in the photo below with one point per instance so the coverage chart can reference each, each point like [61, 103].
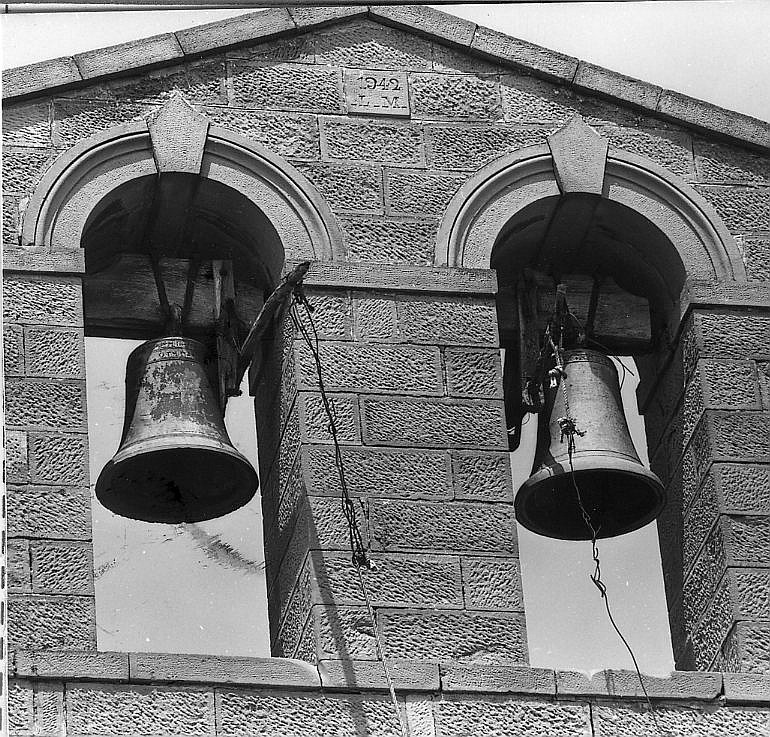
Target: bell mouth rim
[620, 467]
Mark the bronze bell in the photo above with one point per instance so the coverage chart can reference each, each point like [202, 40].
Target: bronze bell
[617, 491]
[175, 462]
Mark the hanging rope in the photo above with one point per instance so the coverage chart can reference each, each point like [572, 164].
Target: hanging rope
[569, 430]
[359, 555]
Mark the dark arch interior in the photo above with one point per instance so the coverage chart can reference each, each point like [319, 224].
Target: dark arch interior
[587, 234]
[180, 218]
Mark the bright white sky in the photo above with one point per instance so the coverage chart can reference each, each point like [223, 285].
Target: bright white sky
[717, 51]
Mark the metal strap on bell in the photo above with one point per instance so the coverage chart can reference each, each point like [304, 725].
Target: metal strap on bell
[618, 493]
[175, 462]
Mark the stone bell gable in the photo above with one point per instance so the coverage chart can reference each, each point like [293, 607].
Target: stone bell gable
[422, 163]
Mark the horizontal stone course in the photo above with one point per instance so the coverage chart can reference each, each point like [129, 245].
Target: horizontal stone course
[62, 567]
[448, 322]
[55, 352]
[497, 679]
[678, 685]
[71, 664]
[355, 674]
[455, 97]
[375, 141]
[40, 300]
[392, 241]
[52, 512]
[379, 472]
[347, 188]
[37, 404]
[58, 458]
[51, 622]
[432, 423]
[359, 367]
[409, 192]
[480, 476]
[441, 526]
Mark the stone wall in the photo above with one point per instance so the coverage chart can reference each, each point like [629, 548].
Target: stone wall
[410, 351]
[122, 693]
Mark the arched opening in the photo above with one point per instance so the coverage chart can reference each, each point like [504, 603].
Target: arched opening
[626, 248]
[214, 252]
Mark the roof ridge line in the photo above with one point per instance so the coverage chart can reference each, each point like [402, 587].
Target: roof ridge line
[31, 80]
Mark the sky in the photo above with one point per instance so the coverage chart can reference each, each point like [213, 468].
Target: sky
[151, 575]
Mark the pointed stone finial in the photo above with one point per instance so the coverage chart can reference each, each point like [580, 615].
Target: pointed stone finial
[178, 134]
[579, 155]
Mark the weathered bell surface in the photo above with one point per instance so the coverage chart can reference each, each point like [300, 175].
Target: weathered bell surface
[617, 491]
[175, 462]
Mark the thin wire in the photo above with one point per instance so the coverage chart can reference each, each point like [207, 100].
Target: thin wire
[360, 557]
[569, 430]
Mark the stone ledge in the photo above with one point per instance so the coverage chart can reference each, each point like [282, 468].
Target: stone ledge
[497, 679]
[747, 688]
[399, 278]
[153, 667]
[70, 665]
[406, 675]
[42, 259]
[724, 294]
[625, 683]
[427, 21]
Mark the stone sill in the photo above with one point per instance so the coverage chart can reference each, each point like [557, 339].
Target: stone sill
[360, 675]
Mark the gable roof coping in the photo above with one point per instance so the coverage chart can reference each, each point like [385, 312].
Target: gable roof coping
[584, 77]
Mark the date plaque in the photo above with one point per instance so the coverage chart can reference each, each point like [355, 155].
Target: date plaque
[372, 92]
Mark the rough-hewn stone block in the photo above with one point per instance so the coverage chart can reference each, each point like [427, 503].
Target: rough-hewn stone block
[433, 423]
[358, 367]
[493, 584]
[74, 120]
[374, 319]
[45, 622]
[291, 135]
[285, 86]
[353, 674]
[347, 188]
[419, 18]
[27, 124]
[18, 567]
[473, 373]
[469, 637]
[201, 82]
[497, 679]
[618, 720]
[20, 707]
[16, 457]
[471, 146]
[13, 350]
[756, 255]
[275, 672]
[344, 632]
[62, 568]
[712, 629]
[417, 192]
[593, 78]
[482, 476]
[23, 167]
[720, 162]
[740, 435]
[752, 591]
[315, 422]
[743, 488]
[40, 76]
[54, 405]
[49, 512]
[332, 314]
[738, 335]
[294, 48]
[139, 53]
[55, 352]
[449, 322]
[741, 208]
[394, 580]
[678, 685]
[386, 143]
[264, 24]
[445, 527]
[379, 472]
[265, 714]
[71, 664]
[11, 220]
[390, 241]
[688, 109]
[746, 688]
[523, 53]
[307, 15]
[455, 97]
[42, 300]
[364, 43]
[116, 709]
[671, 149]
[58, 459]
[699, 521]
[747, 540]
